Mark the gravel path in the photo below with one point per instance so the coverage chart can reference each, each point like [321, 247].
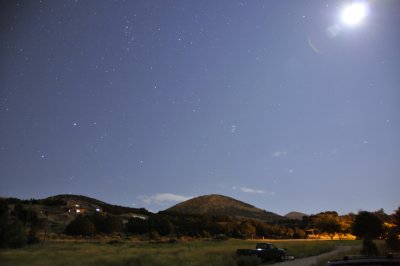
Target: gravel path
[309, 261]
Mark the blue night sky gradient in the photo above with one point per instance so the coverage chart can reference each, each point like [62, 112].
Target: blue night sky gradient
[148, 103]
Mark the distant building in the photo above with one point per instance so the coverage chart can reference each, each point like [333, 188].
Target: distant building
[139, 216]
[76, 209]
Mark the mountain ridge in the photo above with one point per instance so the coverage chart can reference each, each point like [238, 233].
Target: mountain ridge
[295, 215]
[220, 205]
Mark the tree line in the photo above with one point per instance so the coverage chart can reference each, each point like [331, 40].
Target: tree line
[20, 225]
[364, 225]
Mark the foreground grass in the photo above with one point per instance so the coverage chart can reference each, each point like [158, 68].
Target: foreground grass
[145, 253]
[383, 249]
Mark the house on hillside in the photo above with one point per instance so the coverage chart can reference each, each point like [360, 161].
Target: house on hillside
[76, 208]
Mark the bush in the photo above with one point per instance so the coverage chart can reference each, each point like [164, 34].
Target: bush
[112, 224]
[80, 226]
[154, 235]
[32, 237]
[393, 240]
[137, 226]
[14, 236]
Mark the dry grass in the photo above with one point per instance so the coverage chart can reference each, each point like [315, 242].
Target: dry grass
[200, 252]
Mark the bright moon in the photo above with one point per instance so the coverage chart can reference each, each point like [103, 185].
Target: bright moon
[354, 13]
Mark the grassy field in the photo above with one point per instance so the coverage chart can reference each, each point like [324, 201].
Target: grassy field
[145, 253]
[383, 249]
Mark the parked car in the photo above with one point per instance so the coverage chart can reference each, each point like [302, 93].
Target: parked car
[265, 251]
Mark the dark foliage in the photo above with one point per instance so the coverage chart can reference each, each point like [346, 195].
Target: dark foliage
[327, 222]
[81, 226]
[97, 223]
[26, 216]
[13, 225]
[207, 226]
[14, 236]
[106, 223]
[13, 200]
[393, 240]
[32, 237]
[137, 226]
[367, 225]
[48, 201]
[160, 224]
[53, 202]
[3, 223]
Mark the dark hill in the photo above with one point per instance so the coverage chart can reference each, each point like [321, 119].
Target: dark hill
[295, 215]
[60, 210]
[92, 203]
[218, 205]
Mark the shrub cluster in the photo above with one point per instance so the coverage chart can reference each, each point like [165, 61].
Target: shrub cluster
[87, 225]
[18, 227]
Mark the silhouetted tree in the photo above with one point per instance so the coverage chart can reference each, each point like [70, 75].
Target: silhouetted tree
[367, 225]
[396, 219]
[382, 215]
[26, 216]
[346, 222]
[137, 226]
[262, 229]
[230, 228]
[393, 240]
[112, 224]
[14, 226]
[98, 220]
[3, 208]
[160, 224]
[327, 222]
[247, 229]
[3, 222]
[13, 236]
[299, 233]
[80, 226]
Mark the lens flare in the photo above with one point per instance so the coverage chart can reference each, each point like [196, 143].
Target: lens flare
[354, 13]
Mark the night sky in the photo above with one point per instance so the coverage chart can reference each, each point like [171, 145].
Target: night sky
[280, 104]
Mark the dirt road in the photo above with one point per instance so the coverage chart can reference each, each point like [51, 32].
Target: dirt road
[310, 261]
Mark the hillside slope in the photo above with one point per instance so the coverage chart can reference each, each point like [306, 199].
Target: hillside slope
[218, 205]
[60, 210]
[91, 204]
